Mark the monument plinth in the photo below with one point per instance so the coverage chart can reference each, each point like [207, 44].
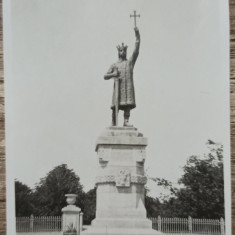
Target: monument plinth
[120, 202]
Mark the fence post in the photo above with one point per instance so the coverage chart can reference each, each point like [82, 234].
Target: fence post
[31, 223]
[222, 226]
[190, 224]
[159, 223]
[80, 222]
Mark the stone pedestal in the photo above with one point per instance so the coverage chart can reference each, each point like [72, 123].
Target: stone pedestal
[71, 221]
[120, 183]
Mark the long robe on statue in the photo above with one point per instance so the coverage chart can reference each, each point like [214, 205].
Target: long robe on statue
[126, 84]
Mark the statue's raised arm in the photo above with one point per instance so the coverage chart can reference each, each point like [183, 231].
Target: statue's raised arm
[135, 53]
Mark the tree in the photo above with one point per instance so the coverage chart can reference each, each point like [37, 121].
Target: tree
[156, 206]
[89, 206]
[201, 194]
[49, 196]
[153, 206]
[23, 199]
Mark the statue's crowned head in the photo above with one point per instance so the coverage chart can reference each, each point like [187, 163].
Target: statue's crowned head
[122, 50]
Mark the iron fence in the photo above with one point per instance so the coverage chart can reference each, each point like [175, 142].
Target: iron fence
[165, 225]
[189, 225]
[39, 224]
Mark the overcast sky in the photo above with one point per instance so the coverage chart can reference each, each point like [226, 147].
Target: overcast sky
[57, 102]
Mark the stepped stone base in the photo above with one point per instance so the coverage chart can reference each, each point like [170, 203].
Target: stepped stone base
[120, 231]
[122, 223]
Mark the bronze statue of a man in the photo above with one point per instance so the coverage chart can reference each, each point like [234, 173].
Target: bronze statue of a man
[122, 72]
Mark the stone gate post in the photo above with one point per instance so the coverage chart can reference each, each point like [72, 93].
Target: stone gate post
[71, 221]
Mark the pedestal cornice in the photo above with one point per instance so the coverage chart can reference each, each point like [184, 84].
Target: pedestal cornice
[121, 136]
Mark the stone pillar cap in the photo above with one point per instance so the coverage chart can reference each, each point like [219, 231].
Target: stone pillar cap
[71, 209]
[71, 194]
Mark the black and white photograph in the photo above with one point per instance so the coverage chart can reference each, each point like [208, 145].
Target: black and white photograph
[117, 117]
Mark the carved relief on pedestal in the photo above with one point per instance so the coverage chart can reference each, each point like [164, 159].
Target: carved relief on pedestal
[139, 179]
[123, 178]
[105, 179]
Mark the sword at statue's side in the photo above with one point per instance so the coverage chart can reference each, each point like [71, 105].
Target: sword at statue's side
[114, 73]
[116, 81]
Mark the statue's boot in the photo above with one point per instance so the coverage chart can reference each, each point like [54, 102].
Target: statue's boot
[114, 123]
[126, 123]
[126, 118]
